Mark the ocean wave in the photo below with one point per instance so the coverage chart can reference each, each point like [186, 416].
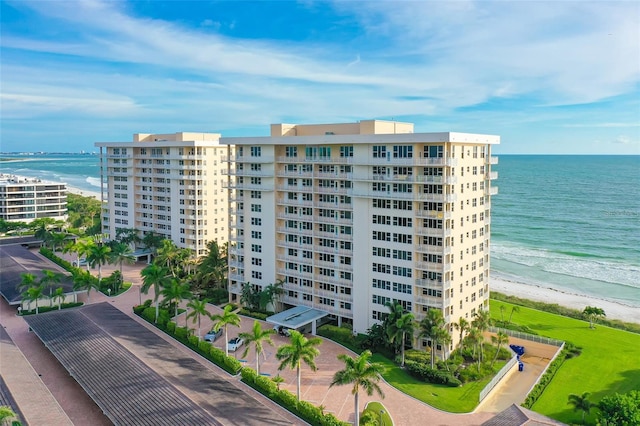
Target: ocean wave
[93, 181]
[570, 263]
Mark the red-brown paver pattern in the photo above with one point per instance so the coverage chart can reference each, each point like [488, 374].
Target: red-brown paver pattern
[314, 385]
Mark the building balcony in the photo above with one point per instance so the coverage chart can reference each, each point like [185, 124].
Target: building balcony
[445, 180]
[336, 190]
[332, 220]
[299, 203]
[333, 265]
[236, 277]
[294, 273]
[433, 232]
[493, 190]
[433, 284]
[332, 250]
[433, 266]
[429, 249]
[236, 238]
[320, 160]
[415, 161]
[333, 295]
[411, 196]
[246, 159]
[236, 264]
[334, 175]
[433, 214]
[293, 174]
[435, 302]
[492, 175]
[257, 173]
[285, 230]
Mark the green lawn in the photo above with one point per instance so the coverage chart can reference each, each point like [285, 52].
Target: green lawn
[462, 399]
[608, 363]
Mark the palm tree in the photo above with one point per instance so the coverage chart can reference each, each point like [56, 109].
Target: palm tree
[213, 267]
[300, 349]
[502, 308]
[257, 337]
[28, 280]
[85, 281]
[49, 279]
[514, 308]
[157, 277]
[198, 309]
[176, 292]
[223, 320]
[482, 322]
[500, 339]
[474, 337]
[361, 374]
[593, 313]
[98, 255]
[168, 256]
[152, 242]
[33, 294]
[399, 329]
[59, 296]
[463, 327]
[430, 327]
[57, 239]
[277, 380]
[121, 253]
[580, 403]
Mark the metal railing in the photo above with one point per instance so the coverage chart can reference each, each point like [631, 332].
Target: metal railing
[527, 336]
[499, 375]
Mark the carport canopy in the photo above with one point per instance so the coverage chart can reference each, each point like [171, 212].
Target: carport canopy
[297, 317]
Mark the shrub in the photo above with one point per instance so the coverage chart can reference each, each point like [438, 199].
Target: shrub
[253, 314]
[369, 418]
[171, 327]
[181, 333]
[204, 347]
[193, 341]
[428, 374]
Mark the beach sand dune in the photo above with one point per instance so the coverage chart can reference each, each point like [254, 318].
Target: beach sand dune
[612, 309]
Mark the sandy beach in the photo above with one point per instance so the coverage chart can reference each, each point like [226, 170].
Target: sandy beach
[83, 192]
[613, 310]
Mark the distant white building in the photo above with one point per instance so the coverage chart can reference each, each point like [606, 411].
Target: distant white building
[24, 199]
[168, 184]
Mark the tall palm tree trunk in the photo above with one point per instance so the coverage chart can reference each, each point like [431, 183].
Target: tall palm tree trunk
[357, 422]
[298, 379]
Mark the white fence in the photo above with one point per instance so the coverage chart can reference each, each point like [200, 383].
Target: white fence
[496, 379]
[527, 336]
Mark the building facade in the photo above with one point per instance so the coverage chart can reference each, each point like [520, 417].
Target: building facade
[352, 216]
[24, 199]
[168, 184]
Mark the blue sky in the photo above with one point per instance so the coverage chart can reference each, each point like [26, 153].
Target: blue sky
[549, 77]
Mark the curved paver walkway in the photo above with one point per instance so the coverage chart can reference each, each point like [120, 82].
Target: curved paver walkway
[314, 385]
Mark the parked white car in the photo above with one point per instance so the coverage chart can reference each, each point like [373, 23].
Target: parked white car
[234, 344]
[80, 262]
[213, 335]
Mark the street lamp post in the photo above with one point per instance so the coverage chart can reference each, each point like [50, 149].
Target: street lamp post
[381, 414]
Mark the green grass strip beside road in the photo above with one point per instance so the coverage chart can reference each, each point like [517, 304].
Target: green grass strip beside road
[608, 363]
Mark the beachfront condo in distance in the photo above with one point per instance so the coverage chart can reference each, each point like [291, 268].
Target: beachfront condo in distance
[352, 216]
[168, 184]
[24, 199]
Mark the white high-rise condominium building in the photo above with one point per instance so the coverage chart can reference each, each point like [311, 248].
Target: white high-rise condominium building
[168, 184]
[352, 216]
[24, 199]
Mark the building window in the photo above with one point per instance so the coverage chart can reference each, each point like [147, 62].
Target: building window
[346, 151]
[256, 151]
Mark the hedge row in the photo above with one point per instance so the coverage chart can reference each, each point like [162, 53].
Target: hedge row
[184, 336]
[255, 314]
[561, 310]
[569, 351]
[42, 309]
[303, 409]
[431, 375]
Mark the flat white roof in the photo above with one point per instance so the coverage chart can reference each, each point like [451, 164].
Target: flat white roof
[364, 139]
[296, 317]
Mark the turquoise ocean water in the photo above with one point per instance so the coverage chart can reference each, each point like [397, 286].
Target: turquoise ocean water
[567, 222]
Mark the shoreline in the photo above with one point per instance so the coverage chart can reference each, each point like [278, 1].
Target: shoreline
[82, 192]
[613, 310]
